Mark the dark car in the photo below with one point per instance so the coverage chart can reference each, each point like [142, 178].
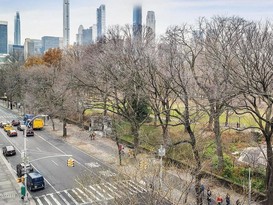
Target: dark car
[30, 132]
[9, 150]
[12, 133]
[15, 122]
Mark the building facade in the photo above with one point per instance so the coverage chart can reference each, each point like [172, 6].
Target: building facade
[101, 23]
[50, 42]
[3, 37]
[66, 23]
[150, 22]
[17, 29]
[28, 48]
[137, 21]
[84, 36]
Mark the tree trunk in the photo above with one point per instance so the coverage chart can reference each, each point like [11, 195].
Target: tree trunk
[269, 172]
[218, 140]
[135, 133]
[53, 124]
[227, 116]
[209, 128]
[64, 128]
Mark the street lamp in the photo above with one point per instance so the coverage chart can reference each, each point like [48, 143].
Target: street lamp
[249, 186]
[161, 154]
[25, 158]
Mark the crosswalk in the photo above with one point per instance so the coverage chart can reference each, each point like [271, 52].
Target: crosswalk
[8, 117]
[92, 194]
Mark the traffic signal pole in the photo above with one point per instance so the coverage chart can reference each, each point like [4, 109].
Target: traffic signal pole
[25, 164]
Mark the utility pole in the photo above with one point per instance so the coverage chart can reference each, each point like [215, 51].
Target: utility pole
[25, 160]
[161, 154]
[249, 186]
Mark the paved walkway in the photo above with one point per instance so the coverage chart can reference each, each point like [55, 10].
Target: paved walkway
[9, 189]
[145, 168]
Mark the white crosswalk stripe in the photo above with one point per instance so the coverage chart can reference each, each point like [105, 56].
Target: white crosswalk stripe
[55, 200]
[91, 194]
[74, 201]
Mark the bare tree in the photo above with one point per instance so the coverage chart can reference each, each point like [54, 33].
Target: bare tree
[218, 39]
[180, 57]
[254, 78]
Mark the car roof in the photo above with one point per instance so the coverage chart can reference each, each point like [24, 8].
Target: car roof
[10, 147]
[34, 174]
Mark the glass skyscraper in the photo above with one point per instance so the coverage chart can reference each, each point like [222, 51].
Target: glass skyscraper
[17, 29]
[66, 23]
[4, 37]
[137, 21]
[101, 24]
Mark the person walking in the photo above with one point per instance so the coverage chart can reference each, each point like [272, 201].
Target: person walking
[209, 196]
[219, 199]
[227, 199]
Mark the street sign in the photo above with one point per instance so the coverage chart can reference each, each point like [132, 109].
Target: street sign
[161, 151]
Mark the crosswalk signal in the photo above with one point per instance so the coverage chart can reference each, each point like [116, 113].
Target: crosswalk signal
[70, 162]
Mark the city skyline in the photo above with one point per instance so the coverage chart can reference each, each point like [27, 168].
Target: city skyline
[45, 18]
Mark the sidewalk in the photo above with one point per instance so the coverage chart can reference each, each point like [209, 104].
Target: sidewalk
[9, 189]
[106, 150]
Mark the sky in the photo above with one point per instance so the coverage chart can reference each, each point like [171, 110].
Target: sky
[44, 18]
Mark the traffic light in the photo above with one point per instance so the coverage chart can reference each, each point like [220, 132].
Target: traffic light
[20, 179]
[143, 164]
[70, 162]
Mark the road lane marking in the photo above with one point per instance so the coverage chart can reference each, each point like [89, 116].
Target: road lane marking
[39, 201]
[54, 163]
[47, 201]
[62, 197]
[74, 201]
[117, 190]
[38, 149]
[91, 193]
[103, 190]
[76, 193]
[89, 200]
[97, 192]
[55, 200]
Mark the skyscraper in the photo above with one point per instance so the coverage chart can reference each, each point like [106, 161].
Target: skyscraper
[150, 22]
[137, 21]
[17, 29]
[66, 23]
[101, 24]
[4, 37]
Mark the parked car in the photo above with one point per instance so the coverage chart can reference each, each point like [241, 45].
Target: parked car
[15, 122]
[21, 169]
[12, 133]
[30, 132]
[9, 150]
[8, 127]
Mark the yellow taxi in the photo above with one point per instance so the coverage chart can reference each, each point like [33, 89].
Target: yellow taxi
[8, 127]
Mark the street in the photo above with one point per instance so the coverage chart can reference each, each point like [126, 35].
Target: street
[90, 180]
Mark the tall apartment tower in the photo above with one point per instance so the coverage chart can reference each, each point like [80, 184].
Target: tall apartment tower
[4, 37]
[66, 23]
[17, 29]
[150, 22]
[101, 24]
[137, 21]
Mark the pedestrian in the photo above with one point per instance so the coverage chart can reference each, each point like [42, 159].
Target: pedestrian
[238, 202]
[209, 195]
[92, 136]
[227, 199]
[202, 190]
[219, 199]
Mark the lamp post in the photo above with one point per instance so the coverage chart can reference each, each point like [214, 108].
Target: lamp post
[249, 186]
[161, 154]
[25, 161]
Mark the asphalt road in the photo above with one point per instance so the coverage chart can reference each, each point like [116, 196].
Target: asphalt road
[91, 180]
